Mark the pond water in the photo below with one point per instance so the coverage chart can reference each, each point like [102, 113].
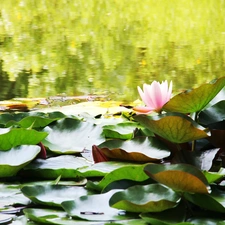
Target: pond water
[81, 47]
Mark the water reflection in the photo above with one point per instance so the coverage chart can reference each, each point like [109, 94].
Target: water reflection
[108, 47]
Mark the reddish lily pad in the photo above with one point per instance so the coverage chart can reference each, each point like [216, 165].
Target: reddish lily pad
[195, 100]
[174, 127]
[142, 149]
[179, 177]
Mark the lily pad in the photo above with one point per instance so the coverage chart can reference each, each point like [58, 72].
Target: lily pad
[214, 176]
[53, 216]
[143, 149]
[174, 127]
[53, 195]
[213, 202]
[94, 207]
[195, 100]
[16, 158]
[102, 168]
[5, 218]
[69, 136]
[147, 198]
[130, 172]
[10, 138]
[11, 195]
[176, 215]
[213, 114]
[179, 177]
[121, 130]
[65, 166]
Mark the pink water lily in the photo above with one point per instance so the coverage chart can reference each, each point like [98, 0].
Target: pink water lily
[155, 96]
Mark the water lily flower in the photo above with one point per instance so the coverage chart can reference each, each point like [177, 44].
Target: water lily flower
[155, 96]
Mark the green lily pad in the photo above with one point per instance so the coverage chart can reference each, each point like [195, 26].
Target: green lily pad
[213, 202]
[179, 177]
[11, 195]
[102, 168]
[205, 220]
[53, 216]
[147, 198]
[174, 127]
[195, 100]
[53, 195]
[95, 208]
[214, 176]
[143, 149]
[213, 114]
[16, 158]
[48, 216]
[6, 118]
[176, 215]
[5, 218]
[54, 182]
[68, 166]
[69, 136]
[130, 172]
[65, 166]
[121, 130]
[10, 138]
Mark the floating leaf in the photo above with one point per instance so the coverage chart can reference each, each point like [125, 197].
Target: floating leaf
[174, 127]
[98, 155]
[6, 118]
[214, 202]
[214, 176]
[11, 195]
[10, 138]
[69, 136]
[195, 100]
[204, 159]
[102, 168]
[121, 130]
[16, 158]
[49, 216]
[179, 177]
[130, 172]
[142, 149]
[205, 220]
[148, 198]
[65, 166]
[94, 207]
[175, 215]
[52, 195]
[5, 218]
[213, 114]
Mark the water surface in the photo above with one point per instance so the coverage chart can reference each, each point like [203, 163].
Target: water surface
[81, 47]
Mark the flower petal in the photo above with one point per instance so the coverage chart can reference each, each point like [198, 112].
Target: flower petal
[142, 109]
[156, 94]
[148, 96]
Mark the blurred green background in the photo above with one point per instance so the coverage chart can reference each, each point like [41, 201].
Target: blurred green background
[81, 47]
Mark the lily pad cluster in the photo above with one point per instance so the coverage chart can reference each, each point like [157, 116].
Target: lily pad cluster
[161, 168]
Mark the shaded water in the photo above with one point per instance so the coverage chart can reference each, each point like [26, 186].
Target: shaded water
[80, 47]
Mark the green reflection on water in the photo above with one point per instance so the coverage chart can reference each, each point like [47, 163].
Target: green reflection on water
[95, 46]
